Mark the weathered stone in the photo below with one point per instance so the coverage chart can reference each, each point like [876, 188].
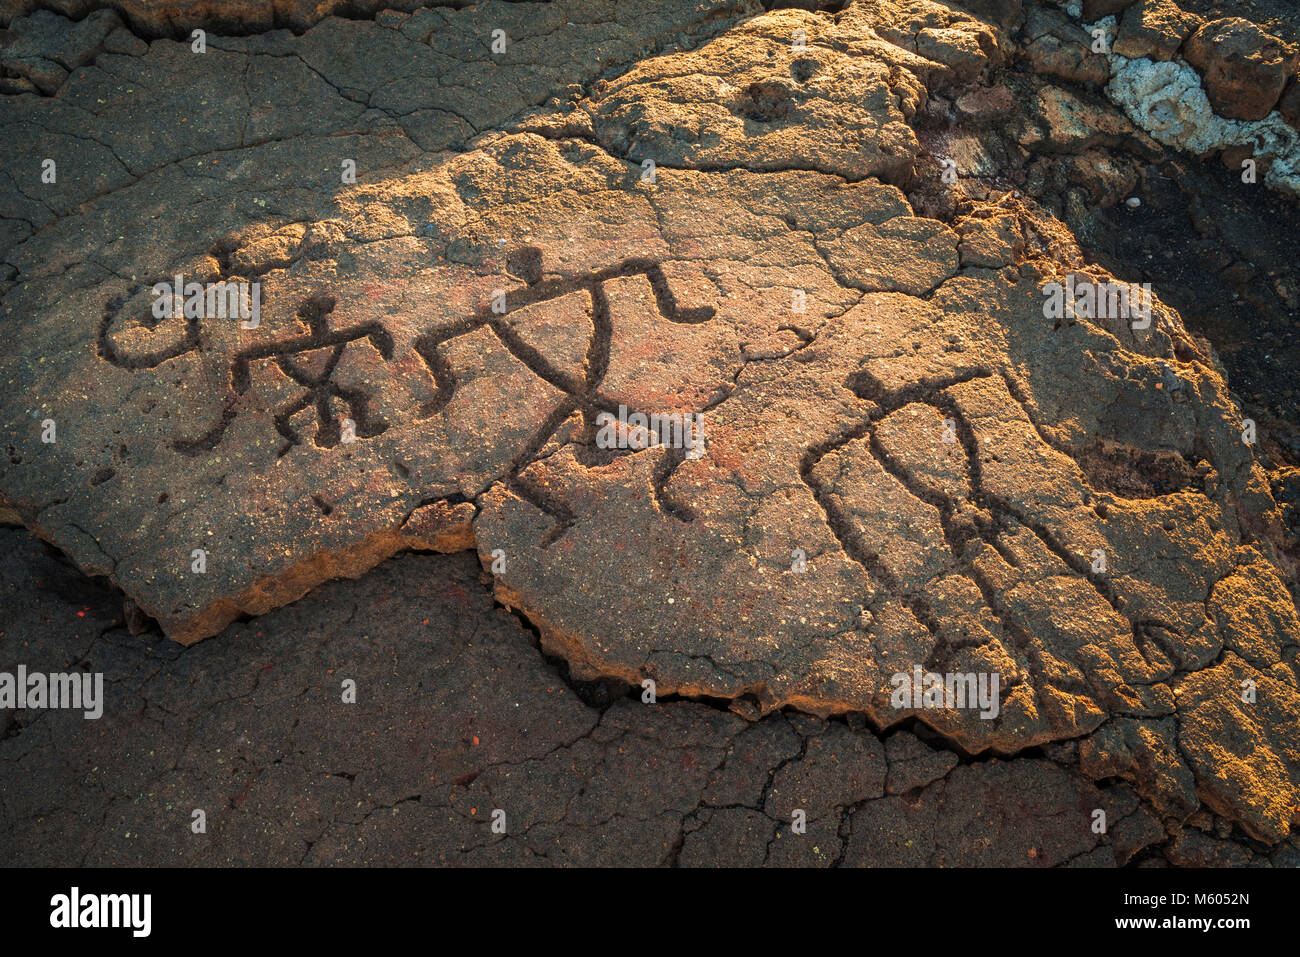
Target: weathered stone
[1289, 104]
[1109, 179]
[817, 783]
[991, 237]
[441, 527]
[1245, 753]
[913, 764]
[906, 459]
[839, 104]
[456, 715]
[1057, 46]
[1168, 101]
[1154, 29]
[982, 815]
[1057, 121]
[44, 47]
[986, 104]
[1191, 848]
[1094, 10]
[1144, 752]
[906, 254]
[1245, 69]
[962, 46]
[176, 18]
[1001, 12]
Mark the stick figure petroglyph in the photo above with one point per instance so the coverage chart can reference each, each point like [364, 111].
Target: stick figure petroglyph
[310, 360]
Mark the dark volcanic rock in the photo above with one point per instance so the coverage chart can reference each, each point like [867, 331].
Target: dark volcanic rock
[902, 458]
[1055, 45]
[176, 18]
[1155, 29]
[456, 716]
[1245, 69]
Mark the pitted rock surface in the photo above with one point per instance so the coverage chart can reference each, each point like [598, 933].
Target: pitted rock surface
[879, 390]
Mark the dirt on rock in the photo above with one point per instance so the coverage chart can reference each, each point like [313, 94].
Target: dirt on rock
[762, 357]
[458, 715]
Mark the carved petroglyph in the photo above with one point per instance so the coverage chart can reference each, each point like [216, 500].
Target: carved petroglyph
[310, 359]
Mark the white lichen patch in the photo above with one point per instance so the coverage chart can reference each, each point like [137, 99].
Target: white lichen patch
[1167, 99]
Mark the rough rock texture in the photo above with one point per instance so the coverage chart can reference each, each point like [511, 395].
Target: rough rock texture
[1289, 105]
[749, 226]
[1056, 46]
[748, 99]
[1195, 85]
[457, 715]
[1093, 10]
[1154, 29]
[158, 18]
[38, 52]
[1245, 69]
[1167, 100]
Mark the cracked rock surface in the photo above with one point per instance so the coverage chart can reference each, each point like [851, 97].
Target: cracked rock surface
[457, 715]
[682, 209]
